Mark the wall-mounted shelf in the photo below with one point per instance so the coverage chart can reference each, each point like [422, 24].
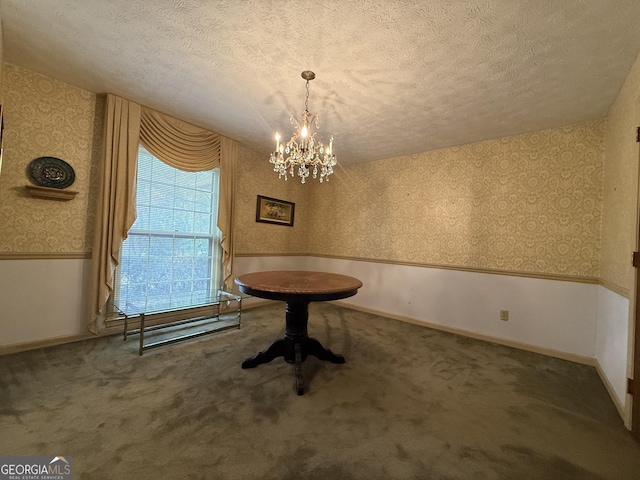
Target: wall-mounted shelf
[52, 193]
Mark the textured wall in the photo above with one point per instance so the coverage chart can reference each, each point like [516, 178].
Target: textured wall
[528, 203]
[44, 117]
[619, 208]
[256, 177]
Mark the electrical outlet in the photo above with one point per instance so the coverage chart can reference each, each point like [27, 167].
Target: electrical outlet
[504, 315]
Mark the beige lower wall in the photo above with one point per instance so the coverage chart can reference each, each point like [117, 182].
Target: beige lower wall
[42, 299]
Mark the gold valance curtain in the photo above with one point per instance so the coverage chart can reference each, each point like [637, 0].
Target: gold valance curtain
[176, 143]
[179, 144]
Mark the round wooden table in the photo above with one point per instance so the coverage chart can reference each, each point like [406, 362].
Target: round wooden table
[297, 289]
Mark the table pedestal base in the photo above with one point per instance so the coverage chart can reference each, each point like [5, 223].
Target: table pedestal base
[296, 345]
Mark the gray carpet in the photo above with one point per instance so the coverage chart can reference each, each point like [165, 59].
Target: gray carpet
[410, 402]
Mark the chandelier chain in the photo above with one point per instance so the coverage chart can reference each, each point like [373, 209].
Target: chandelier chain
[306, 100]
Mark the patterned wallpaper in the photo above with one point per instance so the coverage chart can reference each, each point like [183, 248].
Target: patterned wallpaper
[44, 117]
[621, 184]
[528, 203]
[256, 177]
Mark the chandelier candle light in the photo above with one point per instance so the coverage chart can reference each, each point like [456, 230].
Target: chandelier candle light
[304, 150]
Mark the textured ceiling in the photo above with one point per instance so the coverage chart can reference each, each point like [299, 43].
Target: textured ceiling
[392, 77]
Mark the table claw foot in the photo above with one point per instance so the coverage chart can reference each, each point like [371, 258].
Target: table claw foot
[276, 349]
[315, 348]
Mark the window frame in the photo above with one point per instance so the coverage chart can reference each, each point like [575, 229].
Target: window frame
[215, 267]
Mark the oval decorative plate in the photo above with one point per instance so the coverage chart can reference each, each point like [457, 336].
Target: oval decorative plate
[51, 172]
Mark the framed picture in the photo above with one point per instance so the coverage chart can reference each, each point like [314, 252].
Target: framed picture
[272, 210]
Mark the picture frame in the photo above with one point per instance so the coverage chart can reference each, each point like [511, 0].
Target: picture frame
[272, 210]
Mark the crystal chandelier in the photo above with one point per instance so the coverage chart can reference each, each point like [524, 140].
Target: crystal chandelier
[304, 151]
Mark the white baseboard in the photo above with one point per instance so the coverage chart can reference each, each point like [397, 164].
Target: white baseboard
[612, 393]
[48, 342]
[487, 338]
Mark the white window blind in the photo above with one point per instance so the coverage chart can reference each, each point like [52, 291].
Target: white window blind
[171, 257]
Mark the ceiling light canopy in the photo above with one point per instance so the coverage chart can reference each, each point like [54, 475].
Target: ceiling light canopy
[304, 151]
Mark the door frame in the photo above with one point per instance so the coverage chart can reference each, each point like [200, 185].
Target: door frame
[633, 380]
[634, 385]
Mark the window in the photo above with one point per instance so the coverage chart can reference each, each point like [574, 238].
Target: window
[172, 256]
